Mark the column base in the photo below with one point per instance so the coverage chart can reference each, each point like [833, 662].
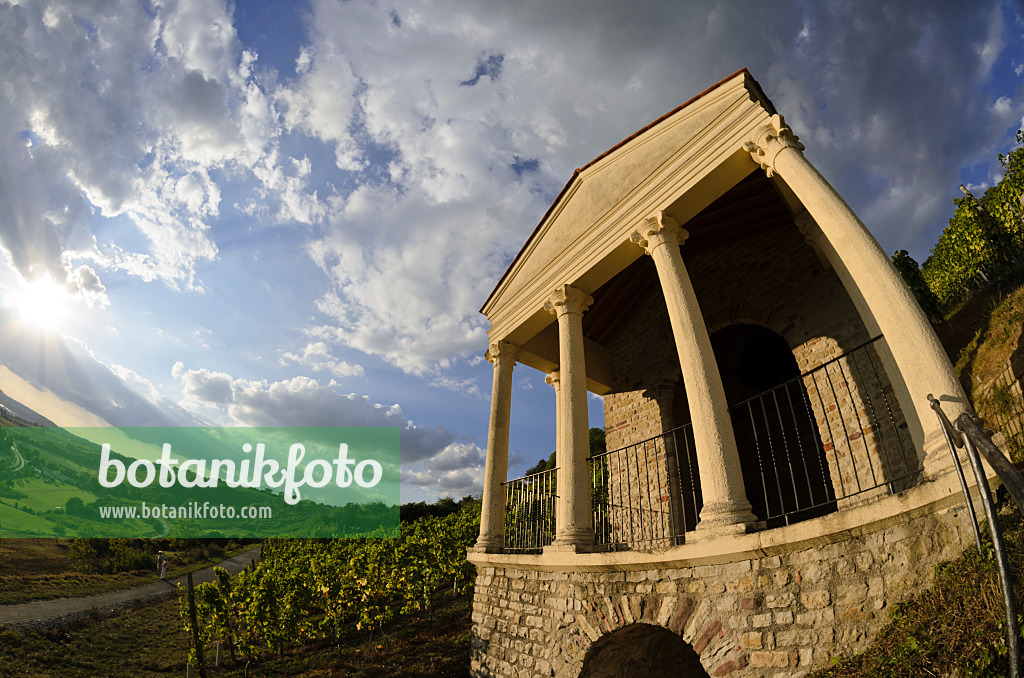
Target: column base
[567, 547]
[576, 543]
[488, 545]
[725, 518]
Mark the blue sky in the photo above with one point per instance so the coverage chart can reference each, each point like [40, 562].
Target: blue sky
[289, 213]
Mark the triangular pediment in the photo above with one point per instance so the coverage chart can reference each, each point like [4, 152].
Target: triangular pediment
[680, 163]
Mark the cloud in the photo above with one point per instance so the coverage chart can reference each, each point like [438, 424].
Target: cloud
[302, 401]
[482, 110]
[465, 386]
[451, 126]
[317, 356]
[70, 369]
[86, 284]
[116, 109]
[457, 470]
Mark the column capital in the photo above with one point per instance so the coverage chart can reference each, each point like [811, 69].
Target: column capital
[772, 139]
[501, 350]
[813, 235]
[658, 229]
[568, 299]
[553, 378]
[808, 227]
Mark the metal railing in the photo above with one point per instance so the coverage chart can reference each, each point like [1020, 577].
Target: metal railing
[824, 437]
[807, 447]
[530, 511]
[967, 434]
[647, 494]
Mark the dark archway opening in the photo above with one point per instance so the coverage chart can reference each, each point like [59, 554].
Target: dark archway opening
[642, 651]
[785, 471]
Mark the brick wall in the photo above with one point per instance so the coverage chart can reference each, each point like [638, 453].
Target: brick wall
[781, 615]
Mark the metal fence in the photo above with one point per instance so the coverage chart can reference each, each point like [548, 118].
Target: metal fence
[829, 435]
[647, 494]
[530, 511]
[807, 447]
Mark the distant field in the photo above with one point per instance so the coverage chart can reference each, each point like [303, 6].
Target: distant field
[42, 496]
[16, 518]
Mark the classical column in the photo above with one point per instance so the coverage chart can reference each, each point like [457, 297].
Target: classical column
[721, 478]
[492, 511]
[873, 283]
[574, 528]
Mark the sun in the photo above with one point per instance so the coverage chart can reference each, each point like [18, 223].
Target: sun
[42, 303]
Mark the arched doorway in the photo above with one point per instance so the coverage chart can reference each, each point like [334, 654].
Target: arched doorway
[785, 470]
[642, 651]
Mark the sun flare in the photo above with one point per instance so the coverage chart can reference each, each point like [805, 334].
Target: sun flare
[42, 303]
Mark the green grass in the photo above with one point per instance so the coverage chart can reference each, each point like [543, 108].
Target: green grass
[25, 521]
[149, 642]
[41, 496]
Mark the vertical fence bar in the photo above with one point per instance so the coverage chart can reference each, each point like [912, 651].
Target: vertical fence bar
[876, 429]
[831, 436]
[775, 463]
[800, 447]
[785, 448]
[860, 424]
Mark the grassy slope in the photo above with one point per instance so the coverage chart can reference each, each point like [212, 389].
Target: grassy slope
[955, 628]
[983, 334]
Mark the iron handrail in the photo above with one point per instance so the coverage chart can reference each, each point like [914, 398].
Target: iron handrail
[973, 439]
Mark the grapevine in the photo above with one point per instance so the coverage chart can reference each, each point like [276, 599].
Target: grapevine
[305, 590]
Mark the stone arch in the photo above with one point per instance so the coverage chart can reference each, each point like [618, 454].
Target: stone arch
[692, 621]
[642, 651]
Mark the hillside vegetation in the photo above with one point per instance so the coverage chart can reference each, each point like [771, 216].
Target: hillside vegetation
[971, 288]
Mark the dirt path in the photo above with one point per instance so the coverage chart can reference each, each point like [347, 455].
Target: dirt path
[63, 611]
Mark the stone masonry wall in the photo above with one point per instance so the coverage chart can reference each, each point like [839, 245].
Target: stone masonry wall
[773, 616]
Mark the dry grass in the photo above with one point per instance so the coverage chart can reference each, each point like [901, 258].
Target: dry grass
[983, 334]
[953, 629]
[42, 569]
[150, 642]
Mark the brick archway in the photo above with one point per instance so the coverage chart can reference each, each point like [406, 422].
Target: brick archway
[604, 620]
[642, 651]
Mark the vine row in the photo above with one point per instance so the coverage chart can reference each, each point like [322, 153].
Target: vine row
[305, 590]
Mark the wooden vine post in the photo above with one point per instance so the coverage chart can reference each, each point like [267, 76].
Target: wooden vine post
[195, 628]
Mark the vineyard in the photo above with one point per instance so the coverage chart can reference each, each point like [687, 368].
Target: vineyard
[306, 590]
[980, 247]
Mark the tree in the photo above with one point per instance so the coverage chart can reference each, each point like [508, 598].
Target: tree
[74, 506]
[597, 442]
[543, 465]
[911, 274]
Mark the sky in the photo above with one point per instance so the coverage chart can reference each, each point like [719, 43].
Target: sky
[289, 213]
